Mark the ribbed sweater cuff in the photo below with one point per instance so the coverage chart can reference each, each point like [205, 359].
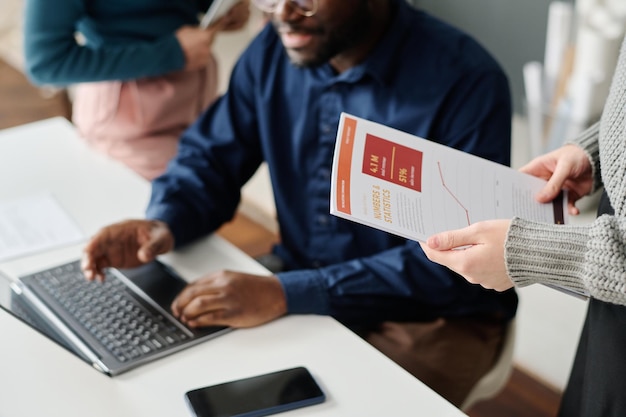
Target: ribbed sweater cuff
[545, 253]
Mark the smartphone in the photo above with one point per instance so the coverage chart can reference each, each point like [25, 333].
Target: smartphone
[217, 9]
[257, 396]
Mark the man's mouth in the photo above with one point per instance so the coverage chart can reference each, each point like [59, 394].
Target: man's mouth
[295, 40]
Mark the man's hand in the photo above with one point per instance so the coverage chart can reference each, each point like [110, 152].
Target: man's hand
[232, 299]
[125, 245]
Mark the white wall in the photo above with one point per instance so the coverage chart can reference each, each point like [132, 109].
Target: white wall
[548, 325]
[11, 32]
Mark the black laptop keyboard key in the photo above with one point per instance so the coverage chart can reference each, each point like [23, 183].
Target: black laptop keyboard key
[126, 325]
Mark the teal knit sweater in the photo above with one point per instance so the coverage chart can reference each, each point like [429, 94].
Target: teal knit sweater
[125, 39]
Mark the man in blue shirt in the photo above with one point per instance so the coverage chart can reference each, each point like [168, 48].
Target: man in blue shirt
[377, 59]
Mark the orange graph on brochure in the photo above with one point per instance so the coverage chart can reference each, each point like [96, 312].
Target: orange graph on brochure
[443, 183]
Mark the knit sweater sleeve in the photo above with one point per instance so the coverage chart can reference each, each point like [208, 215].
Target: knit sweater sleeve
[587, 259]
[53, 56]
[554, 254]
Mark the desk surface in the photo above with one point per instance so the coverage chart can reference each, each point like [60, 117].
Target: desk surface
[37, 377]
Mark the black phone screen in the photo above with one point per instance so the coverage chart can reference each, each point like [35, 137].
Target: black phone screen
[258, 395]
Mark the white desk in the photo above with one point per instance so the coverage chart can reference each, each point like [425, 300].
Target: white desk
[39, 378]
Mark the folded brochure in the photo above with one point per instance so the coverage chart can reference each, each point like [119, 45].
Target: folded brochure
[413, 187]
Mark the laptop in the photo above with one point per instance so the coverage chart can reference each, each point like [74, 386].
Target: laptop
[114, 326]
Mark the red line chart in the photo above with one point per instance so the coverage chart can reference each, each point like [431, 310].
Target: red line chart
[443, 183]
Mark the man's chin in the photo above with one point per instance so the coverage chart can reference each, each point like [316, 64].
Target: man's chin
[303, 61]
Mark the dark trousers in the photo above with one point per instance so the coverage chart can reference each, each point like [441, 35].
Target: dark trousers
[597, 384]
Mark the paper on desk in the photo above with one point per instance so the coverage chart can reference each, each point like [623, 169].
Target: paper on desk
[413, 187]
[34, 223]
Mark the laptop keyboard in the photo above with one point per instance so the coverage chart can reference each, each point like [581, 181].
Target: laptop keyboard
[125, 324]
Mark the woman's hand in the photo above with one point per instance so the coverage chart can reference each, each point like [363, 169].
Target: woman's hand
[196, 44]
[237, 17]
[475, 252]
[566, 168]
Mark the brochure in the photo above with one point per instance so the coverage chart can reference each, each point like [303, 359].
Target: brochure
[413, 187]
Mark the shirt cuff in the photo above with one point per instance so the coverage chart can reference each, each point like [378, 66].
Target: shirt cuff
[167, 216]
[304, 292]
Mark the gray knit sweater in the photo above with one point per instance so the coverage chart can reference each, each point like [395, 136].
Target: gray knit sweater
[591, 258]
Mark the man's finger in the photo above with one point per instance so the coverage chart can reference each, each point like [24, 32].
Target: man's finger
[158, 241]
[201, 305]
[188, 294]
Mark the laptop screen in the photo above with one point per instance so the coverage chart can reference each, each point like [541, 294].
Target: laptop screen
[157, 281]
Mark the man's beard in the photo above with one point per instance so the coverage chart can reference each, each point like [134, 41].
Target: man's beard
[347, 36]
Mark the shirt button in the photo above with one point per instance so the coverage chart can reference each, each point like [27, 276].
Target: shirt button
[325, 173]
[317, 264]
[326, 129]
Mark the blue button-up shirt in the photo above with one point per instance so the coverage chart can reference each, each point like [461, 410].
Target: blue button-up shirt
[425, 78]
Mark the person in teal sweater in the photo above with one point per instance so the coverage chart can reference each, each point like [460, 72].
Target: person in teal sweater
[143, 70]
